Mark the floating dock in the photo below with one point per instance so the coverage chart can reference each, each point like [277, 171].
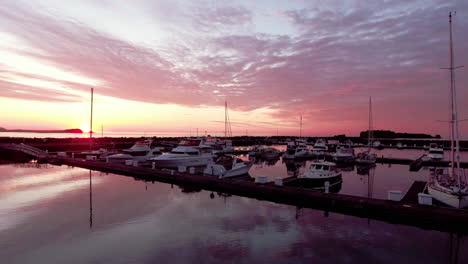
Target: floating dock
[411, 195]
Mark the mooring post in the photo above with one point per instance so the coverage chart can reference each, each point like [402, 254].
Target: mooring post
[153, 165]
[327, 187]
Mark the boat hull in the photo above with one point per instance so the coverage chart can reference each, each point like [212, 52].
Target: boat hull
[174, 163]
[223, 173]
[444, 196]
[319, 182]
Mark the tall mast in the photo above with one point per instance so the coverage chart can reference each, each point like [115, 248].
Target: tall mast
[225, 119]
[369, 132]
[454, 136]
[300, 127]
[91, 123]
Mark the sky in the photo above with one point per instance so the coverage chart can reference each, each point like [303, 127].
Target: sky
[170, 65]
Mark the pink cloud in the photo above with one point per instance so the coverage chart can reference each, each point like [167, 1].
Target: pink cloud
[327, 72]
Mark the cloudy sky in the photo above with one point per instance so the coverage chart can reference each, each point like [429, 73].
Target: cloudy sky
[170, 65]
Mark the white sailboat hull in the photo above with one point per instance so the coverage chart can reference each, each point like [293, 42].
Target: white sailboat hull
[220, 171]
[445, 196]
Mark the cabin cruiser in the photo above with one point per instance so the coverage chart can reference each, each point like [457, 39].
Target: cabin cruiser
[344, 153]
[217, 145]
[435, 152]
[227, 166]
[320, 172]
[320, 147]
[296, 149]
[189, 152]
[256, 150]
[139, 149]
[270, 153]
[135, 156]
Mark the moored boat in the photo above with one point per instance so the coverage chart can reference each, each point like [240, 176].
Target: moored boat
[320, 172]
[450, 187]
[189, 152]
[227, 166]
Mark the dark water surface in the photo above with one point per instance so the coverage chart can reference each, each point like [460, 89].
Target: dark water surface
[58, 214]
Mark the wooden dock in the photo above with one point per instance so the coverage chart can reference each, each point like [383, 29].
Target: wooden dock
[411, 195]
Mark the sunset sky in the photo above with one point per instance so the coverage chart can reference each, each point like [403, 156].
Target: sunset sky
[169, 66]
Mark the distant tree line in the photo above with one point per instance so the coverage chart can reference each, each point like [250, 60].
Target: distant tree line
[392, 134]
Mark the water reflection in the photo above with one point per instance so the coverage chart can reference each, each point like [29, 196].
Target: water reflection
[90, 200]
[293, 166]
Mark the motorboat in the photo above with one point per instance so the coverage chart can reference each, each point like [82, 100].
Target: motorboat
[135, 156]
[256, 151]
[320, 172]
[296, 149]
[344, 153]
[270, 153]
[189, 153]
[450, 187]
[140, 148]
[435, 152]
[227, 166]
[100, 153]
[320, 147]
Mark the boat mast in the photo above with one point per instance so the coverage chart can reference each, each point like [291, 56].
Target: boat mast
[91, 123]
[454, 136]
[300, 127]
[225, 119]
[369, 131]
[227, 124]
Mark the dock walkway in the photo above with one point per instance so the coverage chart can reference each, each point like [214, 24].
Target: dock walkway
[411, 195]
[408, 213]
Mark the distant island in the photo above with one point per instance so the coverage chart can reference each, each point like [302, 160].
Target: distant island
[73, 130]
[392, 134]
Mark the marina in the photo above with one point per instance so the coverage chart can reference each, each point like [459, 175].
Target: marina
[264, 132]
[264, 187]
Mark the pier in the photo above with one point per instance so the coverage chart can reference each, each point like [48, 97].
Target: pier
[407, 211]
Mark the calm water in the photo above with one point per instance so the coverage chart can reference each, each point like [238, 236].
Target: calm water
[58, 214]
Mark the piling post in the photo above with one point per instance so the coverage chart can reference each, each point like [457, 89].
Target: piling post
[153, 165]
[327, 187]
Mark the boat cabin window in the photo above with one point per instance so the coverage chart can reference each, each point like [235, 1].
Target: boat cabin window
[177, 152]
[436, 152]
[192, 153]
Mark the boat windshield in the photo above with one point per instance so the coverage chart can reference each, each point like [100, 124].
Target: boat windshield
[436, 152]
[177, 152]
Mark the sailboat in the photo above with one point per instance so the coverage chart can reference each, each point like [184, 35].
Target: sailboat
[298, 147]
[227, 144]
[447, 187]
[367, 157]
